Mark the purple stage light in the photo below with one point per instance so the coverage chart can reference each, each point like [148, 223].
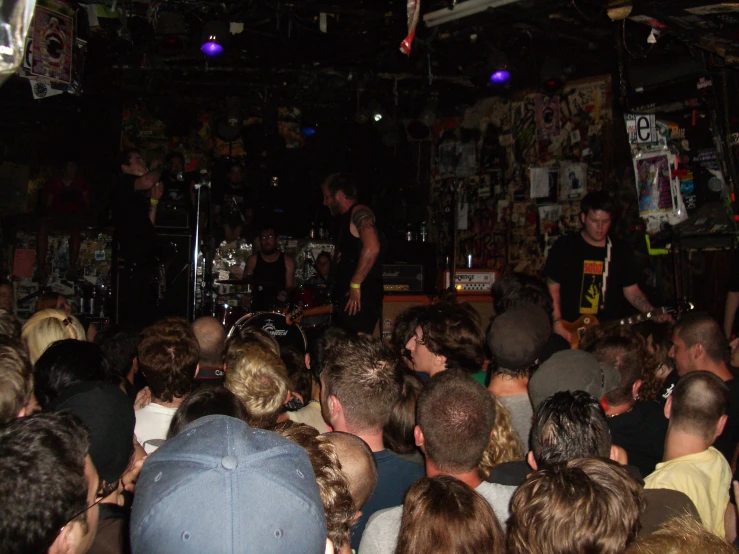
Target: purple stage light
[500, 77]
[211, 48]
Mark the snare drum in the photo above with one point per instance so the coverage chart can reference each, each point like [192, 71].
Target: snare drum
[276, 325]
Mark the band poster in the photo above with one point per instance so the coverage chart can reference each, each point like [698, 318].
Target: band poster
[654, 185]
[53, 40]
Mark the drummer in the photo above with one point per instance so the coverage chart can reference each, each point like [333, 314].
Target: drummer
[272, 270]
[323, 268]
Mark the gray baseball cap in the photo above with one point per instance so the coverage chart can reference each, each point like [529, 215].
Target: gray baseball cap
[221, 486]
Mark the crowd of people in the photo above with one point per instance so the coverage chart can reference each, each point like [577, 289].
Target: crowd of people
[453, 436]
[176, 438]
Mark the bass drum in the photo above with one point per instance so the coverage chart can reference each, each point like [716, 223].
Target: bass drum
[276, 325]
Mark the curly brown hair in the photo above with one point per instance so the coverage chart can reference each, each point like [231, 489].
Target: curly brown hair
[333, 486]
[168, 356]
[624, 349]
[504, 445]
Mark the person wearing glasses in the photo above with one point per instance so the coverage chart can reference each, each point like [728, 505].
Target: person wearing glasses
[52, 504]
[272, 270]
[108, 413]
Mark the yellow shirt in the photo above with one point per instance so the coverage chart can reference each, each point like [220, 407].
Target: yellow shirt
[705, 479]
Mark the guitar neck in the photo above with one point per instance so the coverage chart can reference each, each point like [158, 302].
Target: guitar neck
[633, 320]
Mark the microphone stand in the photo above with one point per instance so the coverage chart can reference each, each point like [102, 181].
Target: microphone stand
[204, 182]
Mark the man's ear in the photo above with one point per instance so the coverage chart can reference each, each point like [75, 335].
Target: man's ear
[668, 407]
[698, 350]
[532, 461]
[720, 426]
[307, 360]
[618, 455]
[440, 360]
[582, 218]
[334, 406]
[418, 436]
[67, 539]
[197, 370]
[635, 389]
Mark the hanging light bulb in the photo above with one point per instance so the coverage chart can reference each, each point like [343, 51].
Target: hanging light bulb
[215, 34]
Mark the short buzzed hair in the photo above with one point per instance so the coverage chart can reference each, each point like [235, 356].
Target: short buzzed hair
[358, 464]
[366, 377]
[699, 400]
[456, 415]
[211, 337]
[569, 425]
[699, 328]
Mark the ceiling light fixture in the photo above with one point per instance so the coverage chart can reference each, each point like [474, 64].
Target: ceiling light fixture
[215, 34]
[463, 9]
[619, 10]
[500, 70]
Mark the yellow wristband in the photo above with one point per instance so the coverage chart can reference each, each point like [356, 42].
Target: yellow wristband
[154, 201]
[354, 285]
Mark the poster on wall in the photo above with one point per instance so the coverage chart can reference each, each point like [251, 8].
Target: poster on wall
[53, 39]
[573, 180]
[653, 182]
[547, 116]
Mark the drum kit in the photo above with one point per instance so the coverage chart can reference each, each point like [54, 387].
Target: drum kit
[308, 307]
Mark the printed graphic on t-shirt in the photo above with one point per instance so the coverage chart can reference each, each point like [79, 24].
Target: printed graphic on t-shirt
[230, 203]
[592, 286]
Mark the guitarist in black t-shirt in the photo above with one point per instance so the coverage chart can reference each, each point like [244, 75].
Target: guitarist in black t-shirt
[590, 274]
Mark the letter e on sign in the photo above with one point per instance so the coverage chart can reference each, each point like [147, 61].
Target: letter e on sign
[646, 129]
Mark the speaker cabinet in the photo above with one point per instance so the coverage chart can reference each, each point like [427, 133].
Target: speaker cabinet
[483, 305]
[176, 251]
[394, 305]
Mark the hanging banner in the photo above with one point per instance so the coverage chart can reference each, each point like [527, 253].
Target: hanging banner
[53, 40]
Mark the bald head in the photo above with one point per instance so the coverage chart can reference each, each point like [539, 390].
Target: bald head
[698, 402]
[212, 340]
[357, 463]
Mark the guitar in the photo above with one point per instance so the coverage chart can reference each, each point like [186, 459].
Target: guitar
[297, 314]
[578, 327]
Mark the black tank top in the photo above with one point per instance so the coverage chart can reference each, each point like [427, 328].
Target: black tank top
[270, 277]
[350, 247]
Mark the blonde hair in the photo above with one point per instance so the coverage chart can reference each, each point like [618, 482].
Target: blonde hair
[47, 327]
[258, 378]
[503, 446]
[679, 535]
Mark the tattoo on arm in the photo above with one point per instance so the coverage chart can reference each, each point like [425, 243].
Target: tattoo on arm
[639, 301]
[363, 217]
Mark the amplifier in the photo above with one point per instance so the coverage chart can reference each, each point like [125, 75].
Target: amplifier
[471, 281]
[172, 215]
[402, 277]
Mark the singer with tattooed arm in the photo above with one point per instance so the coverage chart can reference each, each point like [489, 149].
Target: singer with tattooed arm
[357, 261]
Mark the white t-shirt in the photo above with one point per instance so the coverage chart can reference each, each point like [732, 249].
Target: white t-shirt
[152, 424]
[381, 534]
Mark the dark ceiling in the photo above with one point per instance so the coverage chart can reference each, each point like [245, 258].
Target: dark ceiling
[282, 42]
[283, 54]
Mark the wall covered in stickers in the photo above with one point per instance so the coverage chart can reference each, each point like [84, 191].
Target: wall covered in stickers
[513, 170]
